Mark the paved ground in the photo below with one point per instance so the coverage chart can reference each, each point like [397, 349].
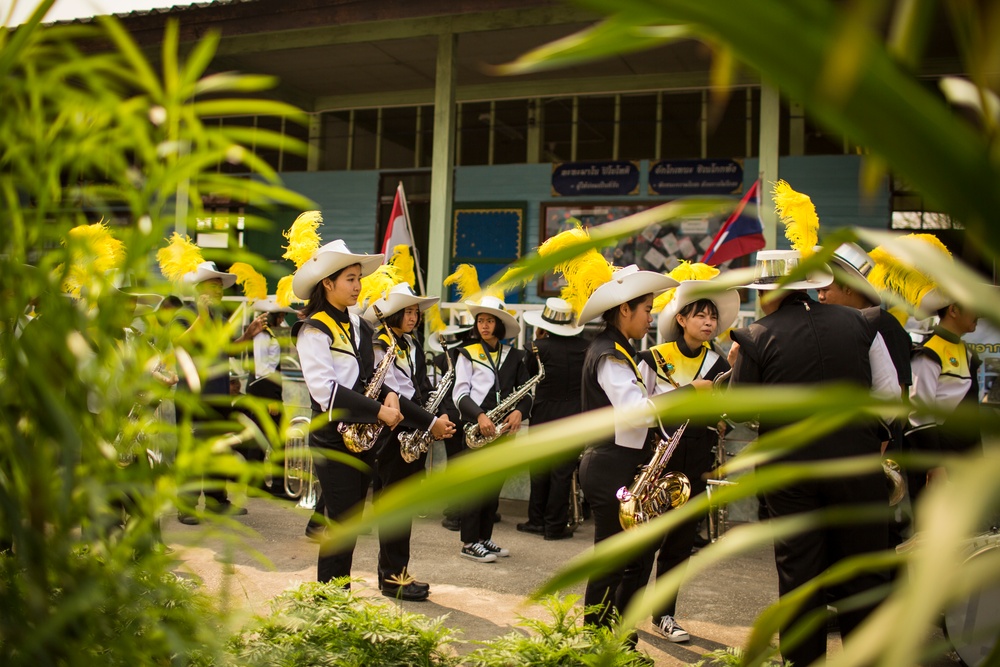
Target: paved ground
[482, 600]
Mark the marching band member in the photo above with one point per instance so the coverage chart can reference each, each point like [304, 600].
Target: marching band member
[335, 350]
[801, 341]
[407, 376]
[486, 372]
[561, 349]
[945, 370]
[686, 361]
[612, 377]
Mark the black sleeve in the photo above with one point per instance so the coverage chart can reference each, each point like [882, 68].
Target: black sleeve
[414, 416]
[531, 360]
[468, 409]
[524, 405]
[747, 369]
[357, 407]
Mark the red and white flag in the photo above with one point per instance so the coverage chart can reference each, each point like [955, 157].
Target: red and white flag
[399, 232]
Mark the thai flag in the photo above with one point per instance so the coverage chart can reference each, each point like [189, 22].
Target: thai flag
[741, 234]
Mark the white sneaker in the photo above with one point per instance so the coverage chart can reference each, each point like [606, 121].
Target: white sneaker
[670, 629]
[495, 548]
[478, 552]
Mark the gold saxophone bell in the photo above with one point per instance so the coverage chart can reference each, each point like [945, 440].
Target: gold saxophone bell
[895, 476]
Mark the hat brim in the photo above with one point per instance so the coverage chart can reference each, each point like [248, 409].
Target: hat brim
[510, 324]
[728, 303]
[858, 282]
[270, 305]
[434, 340]
[202, 274]
[535, 319]
[326, 262]
[814, 280]
[397, 302]
[623, 289]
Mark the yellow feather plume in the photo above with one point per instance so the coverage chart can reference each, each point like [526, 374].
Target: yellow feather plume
[179, 257]
[684, 271]
[303, 239]
[466, 280]
[284, 294]
[585, 272]
[377, 283]
[403, 261]
[433, 318]
[93, 251]
[891, 274]
[796, 210]
[253, 283]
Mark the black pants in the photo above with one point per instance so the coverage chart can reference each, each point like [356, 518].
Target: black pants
[802, 557]
[344, 489]
[603, 471]
[548, 504]
[394, 547]
[202, 424]
[693, 457]
[453, 447]
[477, 515]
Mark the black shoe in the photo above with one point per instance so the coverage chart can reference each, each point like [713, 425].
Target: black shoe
[409, 592]
[529, 527]
[496, 517]
[188, 519]
[315, 532]
[226, 508]
[452, 523]
[564, 535]
[404, 577]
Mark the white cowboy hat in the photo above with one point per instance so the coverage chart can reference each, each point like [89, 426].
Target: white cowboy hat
[689, 291]
[491, 305]
[556, 317]
[207, 271]
[854, 261]
[327, 260]
[773, 265]
[399, 297]
[626, 284]
[270, 305]
[450, 336]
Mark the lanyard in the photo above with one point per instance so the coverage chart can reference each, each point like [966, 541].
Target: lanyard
[496, 371]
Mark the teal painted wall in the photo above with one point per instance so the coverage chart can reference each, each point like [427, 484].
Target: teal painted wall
[349, 199]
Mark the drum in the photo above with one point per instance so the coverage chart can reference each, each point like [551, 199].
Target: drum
[973, 625]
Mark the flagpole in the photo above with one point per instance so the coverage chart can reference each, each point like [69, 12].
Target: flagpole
[409, 230]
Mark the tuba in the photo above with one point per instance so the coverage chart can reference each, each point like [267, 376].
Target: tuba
[361, 437]
[474, 439]
[414, 443]
[654, 491]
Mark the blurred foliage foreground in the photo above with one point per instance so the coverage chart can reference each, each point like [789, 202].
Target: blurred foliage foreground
[85, 131]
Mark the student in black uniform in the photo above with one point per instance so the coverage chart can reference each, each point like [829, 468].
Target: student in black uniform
[561, 350]
[335, 351]
[686, 361]
[407, 376]
[487, 372]
[612, 377]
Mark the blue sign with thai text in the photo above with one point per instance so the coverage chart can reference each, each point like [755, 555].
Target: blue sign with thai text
[576, 179]
[695, 177]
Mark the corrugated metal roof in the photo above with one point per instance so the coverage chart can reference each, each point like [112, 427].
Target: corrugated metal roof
[157, 11]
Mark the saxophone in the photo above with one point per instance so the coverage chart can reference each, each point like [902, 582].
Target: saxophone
[653, 492]
[474, 439]
[414, 443]
[361, 437]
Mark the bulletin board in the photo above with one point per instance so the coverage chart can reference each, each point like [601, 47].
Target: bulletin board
[489, 236]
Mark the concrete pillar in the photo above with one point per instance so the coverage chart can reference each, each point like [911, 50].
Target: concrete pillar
[442, 166]
[315, 137]
[796, 129]
[770, 127]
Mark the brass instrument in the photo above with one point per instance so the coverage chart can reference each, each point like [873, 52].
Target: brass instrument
[474, 439]
[654, 491]
[414, 443]
[894, 474]
[361, 437]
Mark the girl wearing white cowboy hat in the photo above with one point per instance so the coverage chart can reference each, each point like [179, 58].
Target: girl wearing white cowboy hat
[693, 316]
[401, 309]
[561, 351]
[335, 351]
[486, 371]
[623, 299]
